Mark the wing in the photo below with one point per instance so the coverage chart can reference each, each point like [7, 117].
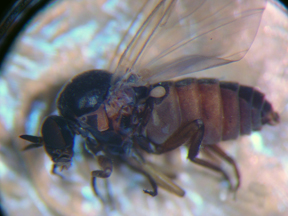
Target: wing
[185, 36]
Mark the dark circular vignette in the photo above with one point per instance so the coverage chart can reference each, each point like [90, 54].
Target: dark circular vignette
[284, 2]
[7, 49]
[14, 15]
[2, 213]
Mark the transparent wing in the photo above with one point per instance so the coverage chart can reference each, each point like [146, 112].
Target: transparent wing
[185, 36]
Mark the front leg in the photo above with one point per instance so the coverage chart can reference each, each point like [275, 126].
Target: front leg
[107, 167]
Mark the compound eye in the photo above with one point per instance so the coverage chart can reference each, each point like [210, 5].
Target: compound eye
[57, 135]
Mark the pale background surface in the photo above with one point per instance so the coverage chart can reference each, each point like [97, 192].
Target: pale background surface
[73, 36]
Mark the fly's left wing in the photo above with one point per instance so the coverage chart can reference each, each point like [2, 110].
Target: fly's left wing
[184, 36]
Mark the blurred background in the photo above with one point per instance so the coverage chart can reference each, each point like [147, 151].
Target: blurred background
[67, 37]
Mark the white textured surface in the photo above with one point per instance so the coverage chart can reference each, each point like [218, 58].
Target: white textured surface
[73, 36]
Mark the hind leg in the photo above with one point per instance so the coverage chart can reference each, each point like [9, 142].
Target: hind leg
[221, 153]
[210, 165]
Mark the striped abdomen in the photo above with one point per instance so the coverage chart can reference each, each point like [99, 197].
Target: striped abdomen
[226, 108]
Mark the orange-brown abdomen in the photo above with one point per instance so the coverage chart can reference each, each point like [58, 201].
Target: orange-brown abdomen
[226, 108]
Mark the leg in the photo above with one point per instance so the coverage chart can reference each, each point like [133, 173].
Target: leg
[161, 180]
[108, 189]
[94, 186]
[153, 192]
[156, 179]
[106, 165]
[212, 166]
[195, 141]
[219, 151]
[92, 146]
[193, 131]
[135, 167]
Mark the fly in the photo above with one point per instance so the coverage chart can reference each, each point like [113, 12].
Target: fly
[137, 108]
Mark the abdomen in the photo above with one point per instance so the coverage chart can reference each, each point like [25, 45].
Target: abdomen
[226, 108]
